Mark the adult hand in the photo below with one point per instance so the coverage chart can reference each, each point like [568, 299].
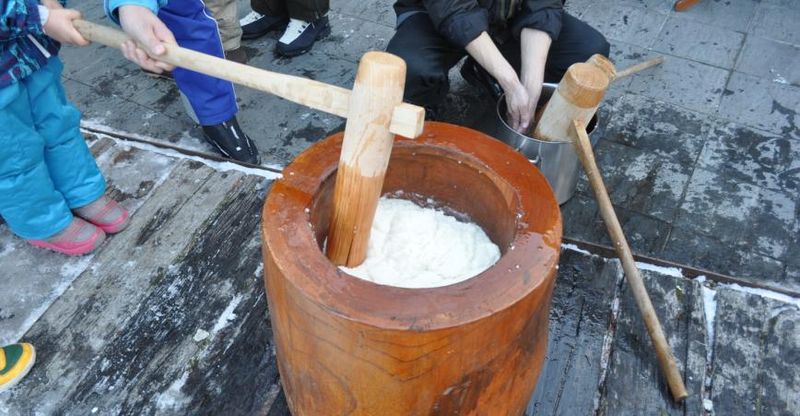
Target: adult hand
[59, 26]
[519, 110]
[148, 35]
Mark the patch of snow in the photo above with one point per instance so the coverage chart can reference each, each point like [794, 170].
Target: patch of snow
[227, 315]
[259, 270]
[779, 79]
[608, 339]
[172, 398]
[73, 269]
[200, 335]
[669, 271]
[219, 166]
[766, 293]
[7, 249]
[573, 247]
[710, 311]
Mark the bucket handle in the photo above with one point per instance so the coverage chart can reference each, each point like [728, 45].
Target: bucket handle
[538, 159]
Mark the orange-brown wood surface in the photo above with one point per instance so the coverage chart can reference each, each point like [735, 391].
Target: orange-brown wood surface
[349, 346]
[683, 5]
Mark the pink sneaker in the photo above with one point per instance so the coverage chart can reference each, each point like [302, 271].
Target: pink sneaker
[105, 213]
[77, 239]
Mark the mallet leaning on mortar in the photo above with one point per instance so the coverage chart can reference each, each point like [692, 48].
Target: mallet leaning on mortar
[564, 119]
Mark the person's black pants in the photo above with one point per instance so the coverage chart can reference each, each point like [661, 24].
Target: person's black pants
[429, 57]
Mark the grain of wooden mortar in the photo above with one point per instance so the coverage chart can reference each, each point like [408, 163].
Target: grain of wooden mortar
[348, 346]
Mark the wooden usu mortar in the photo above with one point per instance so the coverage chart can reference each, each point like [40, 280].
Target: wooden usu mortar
[349, 346]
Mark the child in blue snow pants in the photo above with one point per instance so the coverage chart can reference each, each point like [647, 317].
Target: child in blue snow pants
[51, 191]
[187, 23]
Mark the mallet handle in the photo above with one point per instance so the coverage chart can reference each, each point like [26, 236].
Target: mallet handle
[665, 357]
[641, 66]
[407, 119]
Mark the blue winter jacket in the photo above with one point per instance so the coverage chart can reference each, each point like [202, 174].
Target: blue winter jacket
[111, 6]
[24, 48]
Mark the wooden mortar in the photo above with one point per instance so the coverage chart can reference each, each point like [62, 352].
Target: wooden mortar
[349, 346]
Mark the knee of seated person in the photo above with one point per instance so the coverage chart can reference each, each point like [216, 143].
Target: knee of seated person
[598, 44]
[420, 73]
[417, 67]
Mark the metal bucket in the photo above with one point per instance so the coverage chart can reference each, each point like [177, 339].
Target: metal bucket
[557, 160]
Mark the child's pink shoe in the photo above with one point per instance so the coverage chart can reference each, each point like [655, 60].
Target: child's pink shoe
[77, 239]
[105, 213]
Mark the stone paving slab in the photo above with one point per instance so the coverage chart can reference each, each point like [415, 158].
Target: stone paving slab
[629, 24]
[641, 181]
[771, 60]
[689, 246]
[379, 11]
[684, 82]
[687, 38]
[735, 15]
[768, 160]
[657, 127]
[762, 103]
[775, 22]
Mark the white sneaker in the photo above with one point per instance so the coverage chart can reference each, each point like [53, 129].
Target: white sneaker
[300, 36]
[255, 24]
[250, 18]
[293, 31]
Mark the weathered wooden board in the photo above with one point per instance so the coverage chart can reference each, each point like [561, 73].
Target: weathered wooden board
[126, 339]
[579, 320]
[635, 384]
[132, 175]
[756, 356]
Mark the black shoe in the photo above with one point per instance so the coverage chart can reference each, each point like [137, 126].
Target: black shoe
[300, 36]
[256, 25]
[476, 76]
[232, 142]
[237, 55]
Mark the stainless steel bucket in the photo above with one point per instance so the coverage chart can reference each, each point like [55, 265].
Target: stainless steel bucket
[557, 160]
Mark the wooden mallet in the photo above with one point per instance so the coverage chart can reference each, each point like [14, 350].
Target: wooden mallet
[405, 119]
[374, 110]
[564, 119]
[605, 65]
[366, 148]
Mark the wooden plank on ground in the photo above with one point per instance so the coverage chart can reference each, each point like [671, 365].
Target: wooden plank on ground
[756, 356]
[77, 328]
[132, 175]
[635, 384]
[579, 321]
